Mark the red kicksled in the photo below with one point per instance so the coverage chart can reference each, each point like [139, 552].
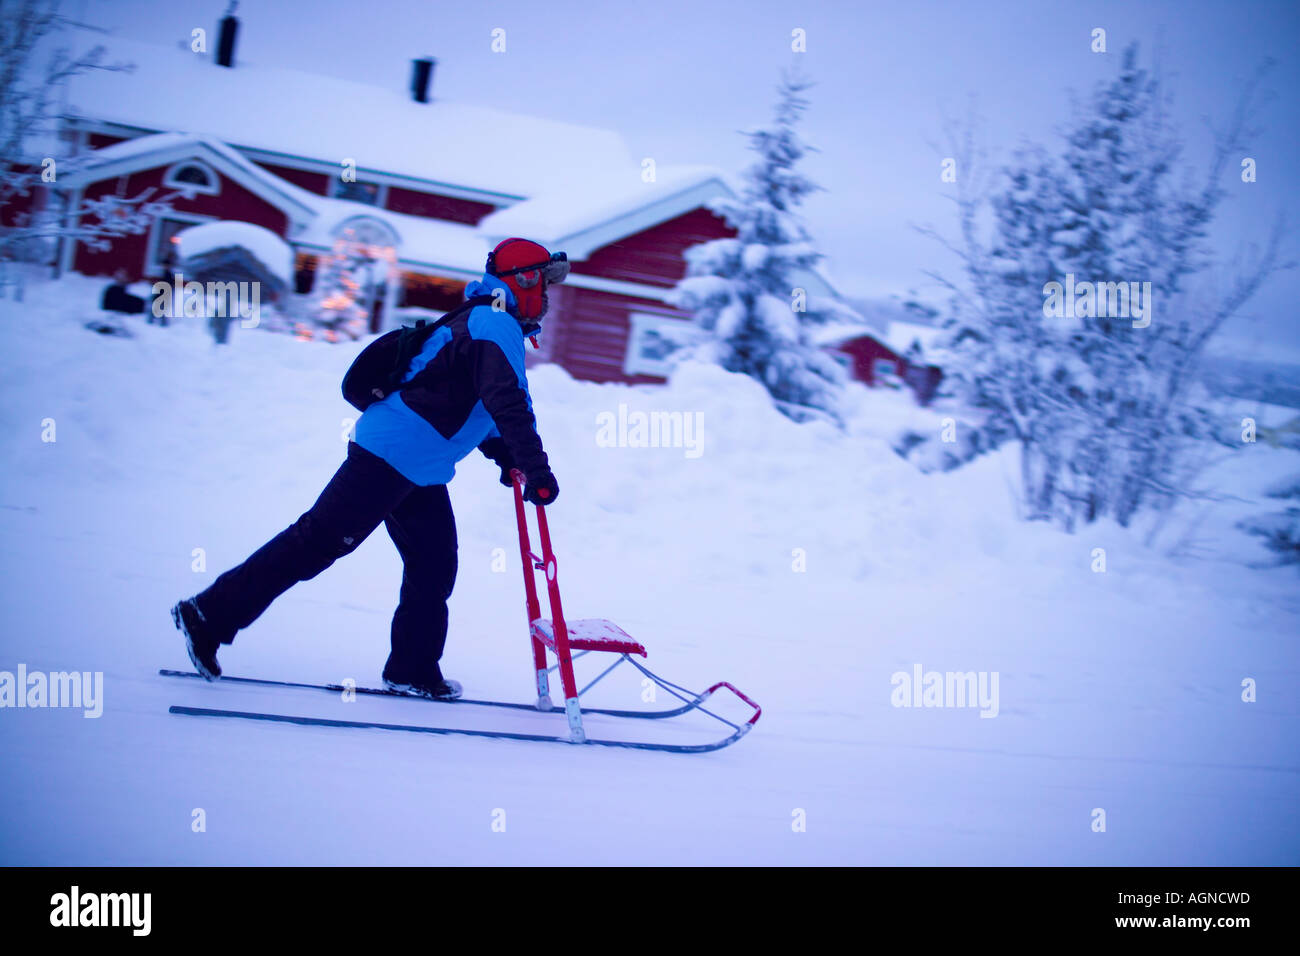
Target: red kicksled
[587, 635]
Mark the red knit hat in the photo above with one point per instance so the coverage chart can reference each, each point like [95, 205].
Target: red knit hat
[526, 267]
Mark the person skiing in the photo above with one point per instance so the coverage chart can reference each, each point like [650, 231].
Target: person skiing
[465, 388]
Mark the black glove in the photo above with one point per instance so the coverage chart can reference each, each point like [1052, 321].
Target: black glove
[498, 452]
[541, 489]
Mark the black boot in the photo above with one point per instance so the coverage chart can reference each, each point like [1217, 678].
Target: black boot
[200, 640]
[430, 683]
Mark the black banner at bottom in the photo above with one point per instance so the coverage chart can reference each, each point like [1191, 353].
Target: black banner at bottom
[347, 904]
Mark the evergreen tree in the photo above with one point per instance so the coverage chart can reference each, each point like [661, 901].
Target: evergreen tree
[744, 292]
[345, 290]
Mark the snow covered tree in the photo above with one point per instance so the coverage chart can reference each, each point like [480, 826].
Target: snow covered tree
[999, 348]
[745, 292]
[1103, 401]
[353, 279]
[34, 218]
[341, 302]
[1280, 529]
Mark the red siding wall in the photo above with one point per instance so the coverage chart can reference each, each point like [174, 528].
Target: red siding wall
[19, 206]
[587, 331]
[317, 183]
[864, 352]
[654, 257]
[590, 337]
[434, 206]
[100, 140]
[130, 252]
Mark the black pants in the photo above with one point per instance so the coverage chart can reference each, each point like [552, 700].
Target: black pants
[363, 492]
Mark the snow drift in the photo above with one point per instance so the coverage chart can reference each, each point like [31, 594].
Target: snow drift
[810, 566]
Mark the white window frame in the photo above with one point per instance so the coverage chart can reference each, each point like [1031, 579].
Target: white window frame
[190, 190]
[879, 369]
[844, 358]
[639, 323]
[153, 267]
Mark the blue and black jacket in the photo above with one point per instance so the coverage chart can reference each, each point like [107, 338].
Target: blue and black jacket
[466, 386]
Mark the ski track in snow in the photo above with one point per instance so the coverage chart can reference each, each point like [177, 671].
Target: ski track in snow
[1118, 690]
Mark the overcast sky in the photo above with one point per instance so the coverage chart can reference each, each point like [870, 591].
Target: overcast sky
[679, 79]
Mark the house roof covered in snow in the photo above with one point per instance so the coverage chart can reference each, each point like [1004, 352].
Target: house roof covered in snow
[271, 251]
[381, 128]
[837, 333]
[621, 203]
[605, 208]
[900, 336]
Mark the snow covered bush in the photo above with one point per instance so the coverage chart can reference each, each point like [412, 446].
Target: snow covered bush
[1102, 395]
[231, 256]
[745, 292]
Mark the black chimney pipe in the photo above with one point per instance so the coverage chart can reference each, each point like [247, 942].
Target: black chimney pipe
[422, 78]
[226, 39]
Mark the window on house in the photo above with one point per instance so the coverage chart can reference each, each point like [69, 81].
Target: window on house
[884, 368]
[368, 193]
[652, 342]
[192, 177]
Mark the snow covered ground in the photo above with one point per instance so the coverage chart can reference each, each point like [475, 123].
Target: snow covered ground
[1118, 691]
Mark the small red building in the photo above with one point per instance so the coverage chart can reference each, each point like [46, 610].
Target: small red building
[893, 358]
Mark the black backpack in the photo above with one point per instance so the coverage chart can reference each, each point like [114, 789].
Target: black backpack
[378, 371]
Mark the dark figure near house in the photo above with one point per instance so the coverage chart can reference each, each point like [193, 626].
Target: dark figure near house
[117, 299]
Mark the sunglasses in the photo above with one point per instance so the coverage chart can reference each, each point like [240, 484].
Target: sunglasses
[553, 270]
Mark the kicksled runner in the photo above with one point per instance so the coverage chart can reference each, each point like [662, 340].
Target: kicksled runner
[555, 635]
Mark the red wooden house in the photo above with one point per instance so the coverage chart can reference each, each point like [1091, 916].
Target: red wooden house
[422, 185]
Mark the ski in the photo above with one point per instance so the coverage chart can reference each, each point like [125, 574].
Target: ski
[385, 692]
[450, 731]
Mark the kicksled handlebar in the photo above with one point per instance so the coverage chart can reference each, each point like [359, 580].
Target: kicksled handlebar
[588, 635]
